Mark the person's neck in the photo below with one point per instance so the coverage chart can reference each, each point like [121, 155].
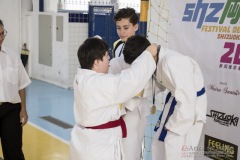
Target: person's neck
[95, 68]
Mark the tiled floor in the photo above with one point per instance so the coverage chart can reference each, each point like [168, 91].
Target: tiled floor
[44, 99]
[50, 109]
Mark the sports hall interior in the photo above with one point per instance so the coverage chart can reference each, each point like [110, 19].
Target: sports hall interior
[53, 30]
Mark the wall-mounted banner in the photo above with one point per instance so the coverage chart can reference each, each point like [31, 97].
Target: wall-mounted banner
[209, 32]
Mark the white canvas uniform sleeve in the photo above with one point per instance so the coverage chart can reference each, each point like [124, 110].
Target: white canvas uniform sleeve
[117, 64]
[112, 89]
[24, 79]
[180, 74]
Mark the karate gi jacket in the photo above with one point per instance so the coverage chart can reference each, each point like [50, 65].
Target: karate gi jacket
[139, 101]
[182, 76]
[96, 101]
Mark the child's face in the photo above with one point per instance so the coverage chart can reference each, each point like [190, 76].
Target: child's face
[125, 29]
[104, 64]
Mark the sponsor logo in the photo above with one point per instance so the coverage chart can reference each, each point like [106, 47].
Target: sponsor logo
[231, 58]
[223, 89]
[218, 149]
[212, 12]
[223, 118]
[223, 19]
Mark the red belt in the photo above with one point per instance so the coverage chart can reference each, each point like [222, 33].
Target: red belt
[112, 124]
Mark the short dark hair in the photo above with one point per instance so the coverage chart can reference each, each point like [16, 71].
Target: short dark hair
[90, 50]
[134, 47]
[127, 13]
[1, 23]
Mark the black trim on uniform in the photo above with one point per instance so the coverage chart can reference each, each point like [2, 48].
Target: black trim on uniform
[117, 45]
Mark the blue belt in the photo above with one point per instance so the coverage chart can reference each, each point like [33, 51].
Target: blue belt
[170, 112]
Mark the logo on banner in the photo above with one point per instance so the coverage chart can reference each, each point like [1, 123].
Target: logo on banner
[224, 19]
[223, 118]
[223, 89]
[209, 12]
[218, 149]
[231, 57]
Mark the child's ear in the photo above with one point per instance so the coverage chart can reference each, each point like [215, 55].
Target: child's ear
[96, 62]
[136, 27]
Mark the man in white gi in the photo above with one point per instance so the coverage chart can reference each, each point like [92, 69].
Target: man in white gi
[138, 107]
[99, 127]
[180, 124]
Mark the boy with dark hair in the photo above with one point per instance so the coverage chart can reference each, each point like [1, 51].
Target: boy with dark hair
[133, 49]
[87, 53]
[138, 107]
[128, 13]
[181, 121]
[126, 20]
[97, 101]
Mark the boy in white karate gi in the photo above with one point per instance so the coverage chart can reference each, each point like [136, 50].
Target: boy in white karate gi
[180, 124]
[138, 107]
[99, 127]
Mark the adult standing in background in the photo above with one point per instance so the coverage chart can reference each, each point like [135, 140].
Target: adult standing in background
[13, 112]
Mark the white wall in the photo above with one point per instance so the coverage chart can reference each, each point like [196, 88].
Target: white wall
[73, 4]
[58, 72]
[50, 5]
[130, 3]
[10, 13]
[78, 32]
